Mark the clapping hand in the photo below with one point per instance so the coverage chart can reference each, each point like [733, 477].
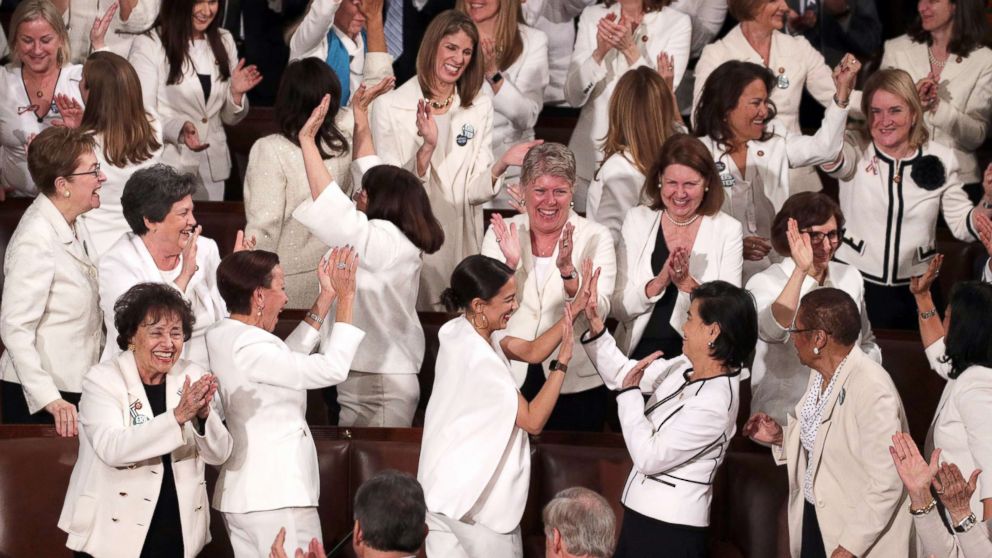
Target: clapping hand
[915, 472]
[190, 137]
[565, 245]
[490, 58]
[193, 398]
[426, 126]
[315, 550]
[98, 33]
[343, 264]
[636, 374]
[984, 228]
[588, 292]
[800, 247]
[244, 79]
[211, 391]
[955, 492]
[678, 263]
[71, 111]
[508, 240]
[921, 283]
[927, 88]
[987, 185]
[763, 429]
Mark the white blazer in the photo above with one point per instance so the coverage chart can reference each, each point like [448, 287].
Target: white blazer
[678, 439]
[263, 383]
[50, 317]
[81, 14]
[117, 478]
[590, 85]
[458, 181]
[962, 117]
[794, 62]
[542, 305]
[128, 263]
[106, 224]
[891, 228]
[785, 150]
[556, 19]
[778, 379]
[960, 427]
[183, 102]
[474, 459]
[717, 253]
[388, 276]
[615, 189]
[521, 97]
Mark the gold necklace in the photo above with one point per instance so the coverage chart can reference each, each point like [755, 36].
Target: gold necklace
[438, 106]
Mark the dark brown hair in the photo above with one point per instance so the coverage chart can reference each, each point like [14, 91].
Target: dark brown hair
[55, 152]
[175, 29]
[450, 22]
[683, 149]
[303, 85]
[397, 196]
[809, 209]
[744, 10]
[240, 273]
[722, 92]
[968, 28]
[149, 303]
[833, 311]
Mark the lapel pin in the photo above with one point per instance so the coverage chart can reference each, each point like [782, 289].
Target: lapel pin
[843, 394]
[761, 153]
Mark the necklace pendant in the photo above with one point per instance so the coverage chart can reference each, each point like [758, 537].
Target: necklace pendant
[40, 94]
[897, 178]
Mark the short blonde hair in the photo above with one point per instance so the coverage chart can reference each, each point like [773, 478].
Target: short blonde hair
[899, 83]
[31, 10]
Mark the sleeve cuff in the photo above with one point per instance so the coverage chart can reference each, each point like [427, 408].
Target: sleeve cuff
[344, 333]
[586, 339]
[626, 389]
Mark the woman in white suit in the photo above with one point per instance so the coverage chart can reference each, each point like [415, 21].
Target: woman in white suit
[677, 438]
[753, 158]
[128, 19]
[440, 127]
[149, 422]
[164, 246]
[793, 61]
[50, 319]
[806, 233]
[391, 228]
[192, 81]
[670, 245]
[271, 479]
[543, 246]
[958, 351]
[613, 38]
[128, 139]
[944, 54]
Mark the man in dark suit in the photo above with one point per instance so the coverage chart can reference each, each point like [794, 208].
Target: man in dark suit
[836, 27]
[416, 15]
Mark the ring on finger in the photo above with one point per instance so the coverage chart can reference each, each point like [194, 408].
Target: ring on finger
[341, 265]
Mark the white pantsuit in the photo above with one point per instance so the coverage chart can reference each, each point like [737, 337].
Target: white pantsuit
[458, 179]
[796, 64]
[556, 19]
[116, 481]
[50, 318]
[182, 102]
[590, 85]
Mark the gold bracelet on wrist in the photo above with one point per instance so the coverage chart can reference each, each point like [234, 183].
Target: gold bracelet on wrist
[928, 314]
[924, 510]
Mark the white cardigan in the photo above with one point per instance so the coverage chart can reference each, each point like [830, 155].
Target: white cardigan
[778, 379]
[678, 439]
[50, 317]
[613, 192]
[590, 85]
[962, 117]
[521, 97]
[117, 478]
[128, 263]
[387, 281]
[541, 306]
[458, 182]
[797, 61]
[717, 253]
[183, 102]
[263, 383]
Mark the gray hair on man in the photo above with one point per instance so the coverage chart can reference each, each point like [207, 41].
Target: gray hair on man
[548, 159]
[579, 522]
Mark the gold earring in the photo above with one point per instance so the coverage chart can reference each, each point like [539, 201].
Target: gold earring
[485, 321]
[130, 347]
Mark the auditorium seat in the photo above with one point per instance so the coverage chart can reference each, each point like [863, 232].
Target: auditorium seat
[919, 386]
[221, 222]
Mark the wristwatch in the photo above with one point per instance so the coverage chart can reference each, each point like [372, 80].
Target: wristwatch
[928, 314]
[572, 275]
[496, 78]
[966, 524]
[555, 365]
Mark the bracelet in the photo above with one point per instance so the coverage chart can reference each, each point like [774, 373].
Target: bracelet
[925, 510]
[316, 318]
[928, 314]
[840, 104]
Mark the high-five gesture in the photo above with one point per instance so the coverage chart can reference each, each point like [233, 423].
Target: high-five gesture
[845, 74]
[98, 33]
[508, 240]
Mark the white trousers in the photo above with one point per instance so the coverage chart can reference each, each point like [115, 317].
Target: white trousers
[208, 189]
[253, 533]
[449, 538]
[381, 400]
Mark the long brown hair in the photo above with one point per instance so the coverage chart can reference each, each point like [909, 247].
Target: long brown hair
[114, 108]
[397, 196]
[642, 114]
[509, 43]
[175, 29]
[443, 25]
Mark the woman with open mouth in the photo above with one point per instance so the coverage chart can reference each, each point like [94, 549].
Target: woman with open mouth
[754, 156]
[440, 126]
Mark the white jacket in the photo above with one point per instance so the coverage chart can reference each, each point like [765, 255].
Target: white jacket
[183, 102]
[891, 228]
[50, 318]
[128, 263]
[81, 14]
[590, 85]
[556, 19]
[117, 478]
[678, 439]
[541, 306]
[778, 379]
[387, 281]
[263, 383]
[615, 189]
[962, 117]
[716, 254]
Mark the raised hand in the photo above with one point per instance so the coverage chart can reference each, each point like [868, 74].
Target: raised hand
[370, 8]
[508, 240]
[916, 474]
[210, 391]
[921, 283]
[71, 111]
[242, 242]
[517, 201]
[636, 374]
[189, 257]
[362, 98]
[604, 38]
[666, 69]
[845, 75]
[800, 246]
[565, 245]
[344, 266]
[244, 79]
[324, 276]
[567, 337]
[308, 132]
[190, 137]
[98, 33]
[426, 126]
[589, 289]
[514, 156]
[490, 56]
[987, 184]
[955, 492]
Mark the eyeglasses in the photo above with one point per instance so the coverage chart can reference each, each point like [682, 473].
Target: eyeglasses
[95, 172]
[793, 330]
[816, 237]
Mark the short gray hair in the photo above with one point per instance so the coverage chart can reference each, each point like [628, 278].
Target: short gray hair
[548, 159]
[584, 519]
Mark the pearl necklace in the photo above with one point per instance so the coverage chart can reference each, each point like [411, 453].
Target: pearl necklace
[933, 59]
[680, 223]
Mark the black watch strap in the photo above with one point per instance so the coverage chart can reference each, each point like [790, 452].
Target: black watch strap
[555, 365]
